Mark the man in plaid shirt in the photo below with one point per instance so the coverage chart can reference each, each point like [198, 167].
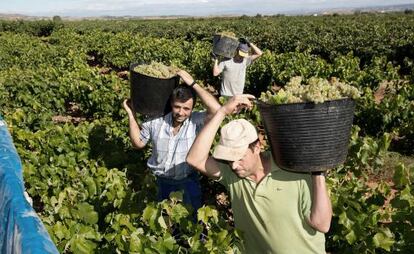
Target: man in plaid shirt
[172, 136]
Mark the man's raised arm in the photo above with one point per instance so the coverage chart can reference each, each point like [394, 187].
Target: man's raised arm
[321, 210]
[207, 98]
[134, 130]
[198, 156]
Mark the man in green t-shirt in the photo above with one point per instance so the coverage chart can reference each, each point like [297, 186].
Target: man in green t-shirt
[277, 211]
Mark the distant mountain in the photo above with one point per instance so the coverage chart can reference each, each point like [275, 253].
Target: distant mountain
[21, 17]
[380, 9]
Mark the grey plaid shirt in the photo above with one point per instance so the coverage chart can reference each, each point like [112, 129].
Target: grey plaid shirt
[169, 151]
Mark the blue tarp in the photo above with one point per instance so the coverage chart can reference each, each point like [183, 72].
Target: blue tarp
[21, 230]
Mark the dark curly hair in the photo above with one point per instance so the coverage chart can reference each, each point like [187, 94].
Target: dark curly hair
[183, 93]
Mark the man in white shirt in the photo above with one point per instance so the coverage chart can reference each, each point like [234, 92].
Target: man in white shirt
[233, 70]
[172, 136]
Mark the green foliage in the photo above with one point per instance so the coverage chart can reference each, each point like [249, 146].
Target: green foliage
[389, 109]
[366, 154]
[359, 219]
[35, 28]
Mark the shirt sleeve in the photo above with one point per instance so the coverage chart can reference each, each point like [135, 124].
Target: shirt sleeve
[221, 66]
[305, 196]
[227, 176]
[145, 133]
[224, 174]
[198, 119]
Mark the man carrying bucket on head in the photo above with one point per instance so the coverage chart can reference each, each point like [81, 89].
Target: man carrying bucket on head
[233, 70]
[277, 211]
[172, 136]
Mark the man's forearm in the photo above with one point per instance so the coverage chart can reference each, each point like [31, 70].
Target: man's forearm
[198, 154]
[216, 69]
[208, 99]
[134, 132]
[321, 211]
[256, 52]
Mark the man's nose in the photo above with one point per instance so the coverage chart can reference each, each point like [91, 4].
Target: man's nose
[180, 111]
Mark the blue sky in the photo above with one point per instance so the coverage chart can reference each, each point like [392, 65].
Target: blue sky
[177, 7]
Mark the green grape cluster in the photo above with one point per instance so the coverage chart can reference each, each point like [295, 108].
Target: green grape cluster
[316, 90]
[227, 34]
[157, 70]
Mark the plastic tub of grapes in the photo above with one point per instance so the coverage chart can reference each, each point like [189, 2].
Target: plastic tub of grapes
[225, 44]
[308, 125]
[151, 88]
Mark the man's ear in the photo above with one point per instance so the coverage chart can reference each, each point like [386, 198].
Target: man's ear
[257, 148]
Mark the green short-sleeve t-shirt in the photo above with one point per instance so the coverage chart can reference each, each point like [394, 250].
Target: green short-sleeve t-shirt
[272, 214]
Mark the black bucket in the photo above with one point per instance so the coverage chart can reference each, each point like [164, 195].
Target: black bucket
[306, 137]
[224, 46]
[151, 96]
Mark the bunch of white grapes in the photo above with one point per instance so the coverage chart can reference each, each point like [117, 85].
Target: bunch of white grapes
[227, 34]
[317, 90]
[157, 70]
